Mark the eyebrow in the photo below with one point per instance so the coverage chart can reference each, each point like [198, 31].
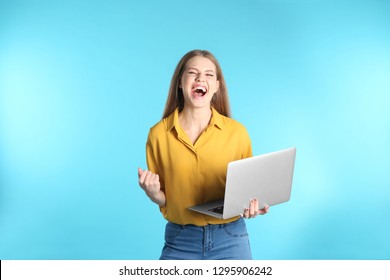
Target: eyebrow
[194, 68]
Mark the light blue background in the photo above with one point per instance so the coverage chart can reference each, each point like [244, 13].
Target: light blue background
[81, 82]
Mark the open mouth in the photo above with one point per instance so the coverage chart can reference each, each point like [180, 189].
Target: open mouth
[199, 91]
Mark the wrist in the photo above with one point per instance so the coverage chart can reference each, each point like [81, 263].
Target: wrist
[158, 198]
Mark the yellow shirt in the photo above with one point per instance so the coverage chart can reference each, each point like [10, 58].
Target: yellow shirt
[191, 174]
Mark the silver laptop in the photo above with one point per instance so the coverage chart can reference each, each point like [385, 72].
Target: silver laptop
[267, 177]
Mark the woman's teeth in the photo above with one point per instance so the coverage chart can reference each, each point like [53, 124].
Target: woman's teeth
[200, 91]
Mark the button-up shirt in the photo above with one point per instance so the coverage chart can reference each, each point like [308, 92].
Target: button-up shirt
[194, 173]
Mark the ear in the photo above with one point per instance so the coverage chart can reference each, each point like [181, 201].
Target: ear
[217, 86]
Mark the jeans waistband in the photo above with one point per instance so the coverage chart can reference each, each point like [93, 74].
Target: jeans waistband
[209, 226]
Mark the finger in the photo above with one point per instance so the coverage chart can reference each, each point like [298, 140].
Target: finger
[153, 179]
[156, 179]
[246, 213]
[139, 172]
[148, 177]
[265, 210]
[252, 209]
[142, 178]
[243, 214]
[256, 206]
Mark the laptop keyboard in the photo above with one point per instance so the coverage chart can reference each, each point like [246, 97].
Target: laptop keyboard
[218, 210]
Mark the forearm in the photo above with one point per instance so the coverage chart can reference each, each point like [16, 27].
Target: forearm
[150, 183]
[158, 198]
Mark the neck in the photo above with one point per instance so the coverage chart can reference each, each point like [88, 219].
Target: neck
[195, 118]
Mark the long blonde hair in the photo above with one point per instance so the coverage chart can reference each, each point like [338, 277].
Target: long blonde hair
[220, 100]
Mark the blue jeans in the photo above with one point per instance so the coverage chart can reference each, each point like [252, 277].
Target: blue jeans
[212, 242]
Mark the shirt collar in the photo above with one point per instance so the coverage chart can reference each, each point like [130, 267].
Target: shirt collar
[216, 119]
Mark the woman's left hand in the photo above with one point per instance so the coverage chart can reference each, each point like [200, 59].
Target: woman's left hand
[253, 210]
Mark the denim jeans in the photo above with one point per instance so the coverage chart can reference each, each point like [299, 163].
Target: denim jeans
[211, 242]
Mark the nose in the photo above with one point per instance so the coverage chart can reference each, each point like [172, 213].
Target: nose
[200, 77]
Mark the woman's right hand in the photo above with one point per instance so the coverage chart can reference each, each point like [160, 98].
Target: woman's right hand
[150, 183]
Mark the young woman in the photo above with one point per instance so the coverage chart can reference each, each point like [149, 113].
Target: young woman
[187, 155]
